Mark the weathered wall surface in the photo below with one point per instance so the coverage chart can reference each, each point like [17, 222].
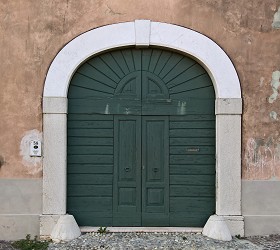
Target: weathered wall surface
[33, 31]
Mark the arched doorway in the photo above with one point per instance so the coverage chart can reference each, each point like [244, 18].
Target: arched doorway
[141, 140]
[144, 33]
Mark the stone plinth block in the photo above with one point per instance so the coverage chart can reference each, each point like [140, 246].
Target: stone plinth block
[66, 229]
[216, 228]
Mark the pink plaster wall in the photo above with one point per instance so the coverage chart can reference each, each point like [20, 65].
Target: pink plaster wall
[33, 31]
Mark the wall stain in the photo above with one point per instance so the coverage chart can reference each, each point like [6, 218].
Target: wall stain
[262, 158]
[275, 84]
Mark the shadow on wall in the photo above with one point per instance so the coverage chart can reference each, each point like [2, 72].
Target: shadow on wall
[2, 161]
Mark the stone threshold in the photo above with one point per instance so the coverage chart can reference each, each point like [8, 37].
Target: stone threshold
[145, 229]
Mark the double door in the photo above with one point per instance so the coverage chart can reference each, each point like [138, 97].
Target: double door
[141, 140]
[141, 171]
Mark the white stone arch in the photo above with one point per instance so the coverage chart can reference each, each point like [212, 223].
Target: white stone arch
[144, 33]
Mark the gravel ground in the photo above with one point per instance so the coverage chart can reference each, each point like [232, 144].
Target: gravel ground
[269, 242]
[143, 241]
[172, 241]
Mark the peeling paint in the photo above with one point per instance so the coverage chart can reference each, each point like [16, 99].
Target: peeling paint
[182, 108]
[107, 112]
[276, 20]
[261, 81]
[33, 164]
[273, 115]
[275, 83]
[262, 157]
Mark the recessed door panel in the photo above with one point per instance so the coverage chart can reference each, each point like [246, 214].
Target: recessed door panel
[155, 170]
[127, 171]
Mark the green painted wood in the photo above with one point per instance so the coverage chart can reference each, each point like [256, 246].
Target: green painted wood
[100, 132]
[89, 124]
[192, 141]
[96, 159]
[186, 70]
[92, 218]
[86, 141]
[192, 191]
[87, 204]
[93, 150]
[170, 64]
[155, 171]
[82, 117]
[189, 169]
[90, 190]
[192, 124]
[127, 171]
[192, 150]
[193, 132]
[91, 179]
[80, 168]
[190, 118]
[132, 111]
[192, 205]
[192, 159]
[182, 220]
[195, 180]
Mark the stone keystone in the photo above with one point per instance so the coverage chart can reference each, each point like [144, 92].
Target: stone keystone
[216, 228]
[66, 229]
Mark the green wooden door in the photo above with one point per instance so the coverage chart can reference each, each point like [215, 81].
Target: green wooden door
[141, 140]
[141, 176]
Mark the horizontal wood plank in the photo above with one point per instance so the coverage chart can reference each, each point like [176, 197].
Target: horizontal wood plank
[93, 219]
[192, 169]
[190, 204]
[92, 150]
[87, 132]
[192, 159]
[87, 168]
[192, 118]
[89, 124]
[89, 190]
[93, 179]
[84, 141]
[90, 204]
[192, 124]
[192, 191]
[102, 159]
[195, 180]
[189, 220]
[189, 150]
[192, 141]
[192, 132]
[88, 117]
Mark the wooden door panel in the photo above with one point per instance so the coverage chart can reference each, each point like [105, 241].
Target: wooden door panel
[127, 175]
[155, 171]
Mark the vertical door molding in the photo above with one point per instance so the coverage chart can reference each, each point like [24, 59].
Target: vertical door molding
[189, 42]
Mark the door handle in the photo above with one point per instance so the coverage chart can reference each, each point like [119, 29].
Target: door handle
[155, 169]
[126, 169]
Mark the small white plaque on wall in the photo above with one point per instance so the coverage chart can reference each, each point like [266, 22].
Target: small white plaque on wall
[35, 148]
